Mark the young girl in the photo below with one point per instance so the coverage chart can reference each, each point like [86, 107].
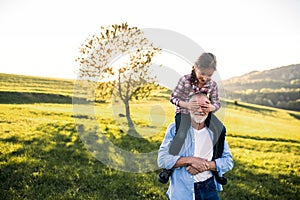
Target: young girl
[199, 81]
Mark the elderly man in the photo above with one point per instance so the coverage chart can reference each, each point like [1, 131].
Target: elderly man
[197, 171]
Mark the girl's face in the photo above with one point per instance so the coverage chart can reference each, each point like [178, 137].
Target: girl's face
[204, 74]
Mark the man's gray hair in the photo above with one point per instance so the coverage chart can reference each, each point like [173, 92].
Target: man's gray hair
[200, 94]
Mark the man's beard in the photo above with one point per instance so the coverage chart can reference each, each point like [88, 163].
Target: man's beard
[198, 119]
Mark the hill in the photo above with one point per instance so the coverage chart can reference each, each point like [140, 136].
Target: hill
[279, 87]
[35, 84]
[20, 89]
[31, 89]
[43, 156]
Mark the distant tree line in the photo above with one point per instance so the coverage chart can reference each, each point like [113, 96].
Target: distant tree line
[286, 99]
[241, 85]
[278, 87]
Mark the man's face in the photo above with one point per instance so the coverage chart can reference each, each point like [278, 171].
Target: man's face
[198, 114]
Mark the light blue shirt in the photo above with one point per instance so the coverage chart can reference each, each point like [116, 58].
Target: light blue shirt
[182, 182]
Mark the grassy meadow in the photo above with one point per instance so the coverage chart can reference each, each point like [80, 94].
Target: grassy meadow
[42, 156]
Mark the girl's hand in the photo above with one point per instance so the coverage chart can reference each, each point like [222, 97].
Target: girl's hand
[208, 107]
[192, 105]
[211, 108]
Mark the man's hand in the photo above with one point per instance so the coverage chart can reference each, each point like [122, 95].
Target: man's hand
[208, 166]
[192, 170]
[197, 164]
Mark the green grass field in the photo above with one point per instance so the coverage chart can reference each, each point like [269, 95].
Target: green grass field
[43, 157]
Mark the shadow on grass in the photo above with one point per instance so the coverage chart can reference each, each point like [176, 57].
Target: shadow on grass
[121, 150]
[263, 138]
[31, 97]
[295, 116]
[246, 183]
[252, 108]
[56, 165]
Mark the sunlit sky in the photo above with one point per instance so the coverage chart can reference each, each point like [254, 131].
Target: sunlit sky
[42, 38]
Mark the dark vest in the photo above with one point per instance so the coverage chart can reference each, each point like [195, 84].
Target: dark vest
[219, 133]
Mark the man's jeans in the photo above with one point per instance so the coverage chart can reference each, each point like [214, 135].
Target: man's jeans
[206, 190]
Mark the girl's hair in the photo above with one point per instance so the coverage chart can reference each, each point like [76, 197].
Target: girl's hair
[206, 60]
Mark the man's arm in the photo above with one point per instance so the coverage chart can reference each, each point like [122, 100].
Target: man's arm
[211, 165]
[225, 163]
[168, 161]
[194, 165]
[165, 159]
[221, 165]
[191, 161]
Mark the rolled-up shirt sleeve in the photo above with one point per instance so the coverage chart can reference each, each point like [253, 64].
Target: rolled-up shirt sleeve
[166, 160]
[178, 92]
[225, 163]
[214, 96]
[212, 87]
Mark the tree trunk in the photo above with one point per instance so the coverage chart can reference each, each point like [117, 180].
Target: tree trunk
[128, 117]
